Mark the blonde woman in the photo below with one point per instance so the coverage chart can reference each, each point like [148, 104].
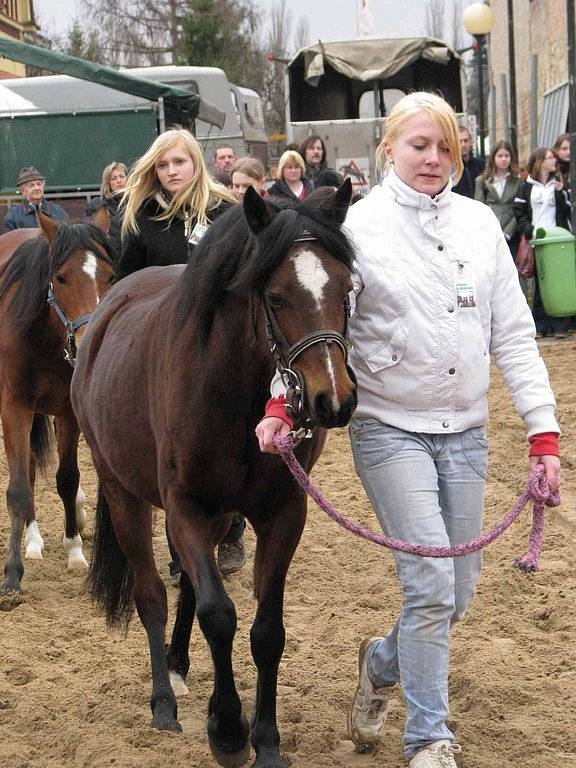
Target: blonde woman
[291, 182]
[436, 293]
[247, 172]
[114, 178]
[169, 201]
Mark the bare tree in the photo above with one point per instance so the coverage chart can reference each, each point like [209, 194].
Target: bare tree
[276, 46]
[302, 34]
[434, 19]
[457, 25]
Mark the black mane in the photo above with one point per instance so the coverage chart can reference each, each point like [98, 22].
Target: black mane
[231, 258]
[34, 262]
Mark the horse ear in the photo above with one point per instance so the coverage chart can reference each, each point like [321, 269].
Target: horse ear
[257, 211]
[342, 199]
[102, 219]
[48, 226]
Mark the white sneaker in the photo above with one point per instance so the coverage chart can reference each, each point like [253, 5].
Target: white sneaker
[439, 754]
[367, 714]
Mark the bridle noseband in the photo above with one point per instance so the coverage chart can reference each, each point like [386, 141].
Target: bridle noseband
[71, 326]
[285, 354]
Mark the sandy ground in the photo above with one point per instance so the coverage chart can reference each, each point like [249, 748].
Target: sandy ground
[74, 694]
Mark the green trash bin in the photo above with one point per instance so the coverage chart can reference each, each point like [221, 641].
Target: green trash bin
[555, 256]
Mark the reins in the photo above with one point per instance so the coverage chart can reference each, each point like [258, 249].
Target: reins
[70, 326]
[536, 490]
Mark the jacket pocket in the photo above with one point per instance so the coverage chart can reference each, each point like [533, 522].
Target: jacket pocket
[381, 356]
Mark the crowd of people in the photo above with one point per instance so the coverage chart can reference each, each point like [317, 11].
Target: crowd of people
[436, 292]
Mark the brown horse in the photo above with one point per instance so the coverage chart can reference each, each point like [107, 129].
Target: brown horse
[171, 380]
[51, 280]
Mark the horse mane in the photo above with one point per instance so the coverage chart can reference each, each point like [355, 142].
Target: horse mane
[33, 263]
[230, 257]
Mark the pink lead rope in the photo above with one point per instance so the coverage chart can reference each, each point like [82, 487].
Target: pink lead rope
[536, 489]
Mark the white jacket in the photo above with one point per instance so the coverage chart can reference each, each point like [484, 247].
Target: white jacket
[437, 292]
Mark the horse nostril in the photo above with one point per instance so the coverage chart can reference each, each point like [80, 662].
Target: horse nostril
[329, 413]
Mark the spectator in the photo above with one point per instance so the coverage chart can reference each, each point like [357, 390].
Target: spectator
[436, 291]
[291, 182]
[498, 186]
[169, 201]
[561, 151]
[248, 172]
[313, 152]
[114, 178]
[328, 178]
[542, 202]
[473, 166]
[224, 158]
[25, 215]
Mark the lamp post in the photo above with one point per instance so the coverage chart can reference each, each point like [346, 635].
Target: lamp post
[478, 19]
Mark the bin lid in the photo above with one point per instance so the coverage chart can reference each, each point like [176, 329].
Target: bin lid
[552, 235]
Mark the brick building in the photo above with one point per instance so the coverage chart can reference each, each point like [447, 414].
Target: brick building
[539, 31]
[17, 21]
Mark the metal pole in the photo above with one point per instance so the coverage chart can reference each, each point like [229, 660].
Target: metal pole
[480, 69]
[534, 102]
[512, 68]
[571, 19]
[505, 112]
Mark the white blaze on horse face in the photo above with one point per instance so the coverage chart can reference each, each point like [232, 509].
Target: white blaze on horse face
[313, 277]
[90, 266]
[311, 274]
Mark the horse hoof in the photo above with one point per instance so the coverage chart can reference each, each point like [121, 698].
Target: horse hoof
[166, 725]
[230, 759]
[77, 563]
[9, 588]
[232, 752]
[33, 553]
[178, 684]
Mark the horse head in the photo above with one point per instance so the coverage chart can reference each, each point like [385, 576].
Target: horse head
[81, 271]
[305, 303]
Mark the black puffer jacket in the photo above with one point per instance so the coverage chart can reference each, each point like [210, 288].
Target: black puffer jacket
[281, 189]
[158, 243]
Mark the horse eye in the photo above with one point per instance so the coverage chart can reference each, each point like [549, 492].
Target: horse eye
[276, 301]
[112, 279]
[60, 279]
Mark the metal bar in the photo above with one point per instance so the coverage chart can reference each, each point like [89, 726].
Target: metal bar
[505, 112]
[512, 69]
[480, 71]
[534, 102]
[571, 19]
[492, 115]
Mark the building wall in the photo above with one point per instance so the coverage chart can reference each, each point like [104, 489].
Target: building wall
[539, 28]
[17, 21]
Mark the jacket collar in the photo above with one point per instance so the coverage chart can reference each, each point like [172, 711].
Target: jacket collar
[536, 183]
[405, 195]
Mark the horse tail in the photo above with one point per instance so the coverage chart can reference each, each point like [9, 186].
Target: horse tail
[41, 440]
[110, 577]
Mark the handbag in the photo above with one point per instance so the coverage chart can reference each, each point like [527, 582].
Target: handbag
[525, 258]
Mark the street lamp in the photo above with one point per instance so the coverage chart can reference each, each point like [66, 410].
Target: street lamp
[478, 19]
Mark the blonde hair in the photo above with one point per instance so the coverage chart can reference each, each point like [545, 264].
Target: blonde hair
[105, 190]
[290, 157]
[438, 109]
[197, 197]
[251, 166]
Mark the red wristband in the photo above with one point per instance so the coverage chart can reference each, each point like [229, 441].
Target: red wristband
[544, 444]
[275, 407]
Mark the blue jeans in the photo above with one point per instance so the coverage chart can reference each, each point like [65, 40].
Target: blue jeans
[425, 489]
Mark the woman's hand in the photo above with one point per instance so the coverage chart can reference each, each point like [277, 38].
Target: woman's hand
[265, 431]
[559, 185]
[552, 467]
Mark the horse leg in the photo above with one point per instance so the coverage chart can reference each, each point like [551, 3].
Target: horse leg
[132, 522]
[67, 483]
[80, 510]
[277, 542]
[195, 537]
[33, 538]
[17, 426]
[178, 659]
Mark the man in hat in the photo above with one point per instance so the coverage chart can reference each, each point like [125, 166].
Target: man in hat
[31, 187]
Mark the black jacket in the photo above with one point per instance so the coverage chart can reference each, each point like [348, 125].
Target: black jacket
[523, 209]
[158, 243]
[281, 189]
[114, 234]
[473, 167]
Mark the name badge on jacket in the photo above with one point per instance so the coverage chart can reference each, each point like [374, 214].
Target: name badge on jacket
[465, 293]
[197, 234]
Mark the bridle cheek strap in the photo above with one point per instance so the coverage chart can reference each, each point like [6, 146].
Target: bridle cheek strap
[71, 326]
